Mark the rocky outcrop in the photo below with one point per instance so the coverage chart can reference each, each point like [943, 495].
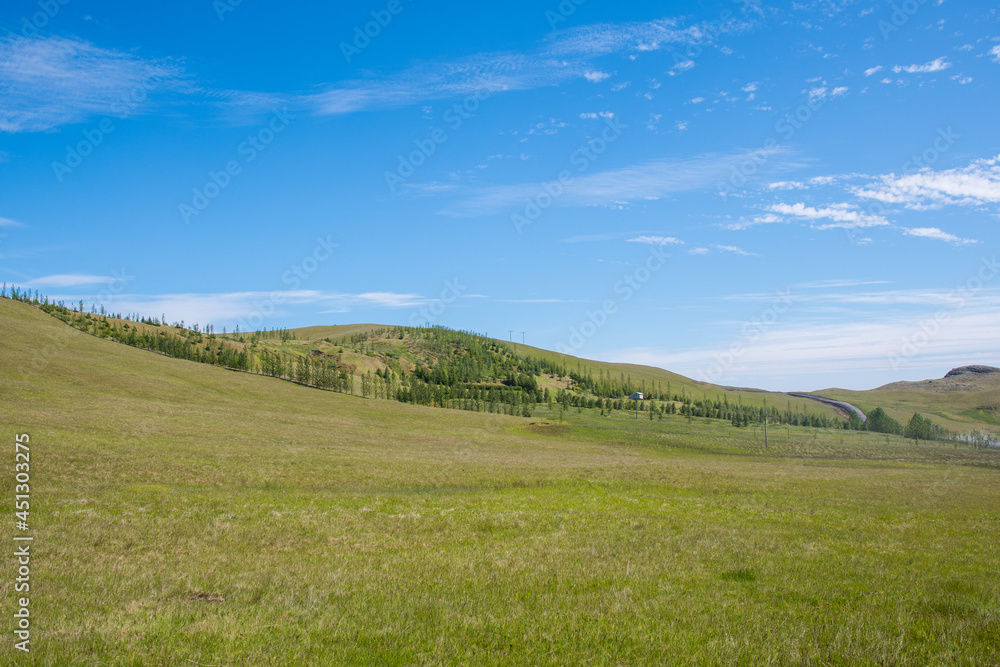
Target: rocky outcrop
[972, 370]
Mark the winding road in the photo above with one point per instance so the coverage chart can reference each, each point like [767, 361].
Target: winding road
[829, 401]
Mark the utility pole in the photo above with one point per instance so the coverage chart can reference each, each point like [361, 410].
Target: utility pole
[765, 430]
[511, 335]
[522, 337]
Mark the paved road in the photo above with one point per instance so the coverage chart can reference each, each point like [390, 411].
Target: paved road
[836, 404]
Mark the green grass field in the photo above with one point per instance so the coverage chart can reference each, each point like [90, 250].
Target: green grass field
[188, 515]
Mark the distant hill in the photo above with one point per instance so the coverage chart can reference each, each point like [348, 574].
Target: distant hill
[966, 398]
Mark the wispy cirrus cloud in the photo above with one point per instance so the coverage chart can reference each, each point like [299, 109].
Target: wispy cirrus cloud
[768, 219]
[607, 38]
[7, 222]
[235, 307]
[69, 280]
[657, 240]
[828, 350]
[735, 250]
[937, 235]
[566, 55]
[647, 180]
[46, 82]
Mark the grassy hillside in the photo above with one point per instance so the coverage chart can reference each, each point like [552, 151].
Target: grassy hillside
[381, 347]
[186, 514]
[960, 403]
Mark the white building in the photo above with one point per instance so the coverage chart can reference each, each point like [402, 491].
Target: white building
[637, 396]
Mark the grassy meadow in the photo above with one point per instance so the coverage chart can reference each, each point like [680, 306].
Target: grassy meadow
[188, 515]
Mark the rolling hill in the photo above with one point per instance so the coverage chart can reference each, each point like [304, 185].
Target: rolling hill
[967, 398]
[183, 513]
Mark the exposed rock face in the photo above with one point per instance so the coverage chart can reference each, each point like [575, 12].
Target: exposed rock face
[972, 370]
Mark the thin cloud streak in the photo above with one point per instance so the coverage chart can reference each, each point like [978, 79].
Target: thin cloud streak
[647, 180]
[46, 82]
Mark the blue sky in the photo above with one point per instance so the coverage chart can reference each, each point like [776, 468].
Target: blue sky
[789, 195]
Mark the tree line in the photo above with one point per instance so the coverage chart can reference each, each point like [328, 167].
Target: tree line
[451, 369]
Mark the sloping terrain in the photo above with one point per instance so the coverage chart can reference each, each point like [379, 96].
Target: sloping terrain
[187, 514]
[961, 401]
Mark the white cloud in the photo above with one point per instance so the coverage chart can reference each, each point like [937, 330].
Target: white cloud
[564, 55]
[751, 87]
[236, 307]
[698, 251]
[796, 346]
[651, 179]
[596, 115]
[936, 65]
[602, 39]
[962, 79]
[697, 100]
[786, 185]
[873, 70]
[681, 125]
[7, 222]
[995, 52]
[70, 280]
[46, 82]
[768, 219]
[844, 216]
[938, 235]
[682, 66]
[976, 184]
[657, 240]
[817, 93]
[735, 250]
